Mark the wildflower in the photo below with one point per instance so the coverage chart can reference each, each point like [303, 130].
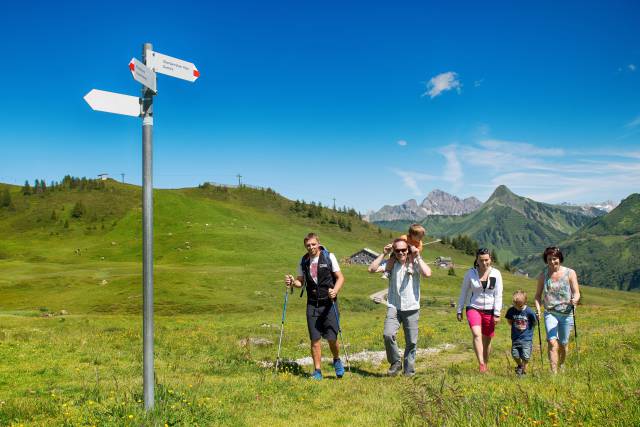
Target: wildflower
[130, 416]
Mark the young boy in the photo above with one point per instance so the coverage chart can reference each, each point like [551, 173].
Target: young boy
[522, 320]
[414, 238]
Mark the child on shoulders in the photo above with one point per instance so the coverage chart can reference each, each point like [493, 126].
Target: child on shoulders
[413, 238]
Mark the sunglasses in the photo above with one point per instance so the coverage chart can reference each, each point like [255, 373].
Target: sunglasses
[401, 251]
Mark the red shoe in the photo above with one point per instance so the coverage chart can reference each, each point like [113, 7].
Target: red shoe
[483, 368]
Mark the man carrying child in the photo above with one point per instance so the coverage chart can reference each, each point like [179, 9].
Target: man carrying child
[414, 238]
[522, 320]
[403, 304]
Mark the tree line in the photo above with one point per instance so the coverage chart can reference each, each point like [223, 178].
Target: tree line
[68, 183]
[342, 217]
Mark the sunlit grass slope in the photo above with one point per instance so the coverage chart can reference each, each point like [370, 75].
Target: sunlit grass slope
[220, 259]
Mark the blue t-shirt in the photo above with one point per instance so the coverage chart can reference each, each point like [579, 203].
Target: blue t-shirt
[522, 323]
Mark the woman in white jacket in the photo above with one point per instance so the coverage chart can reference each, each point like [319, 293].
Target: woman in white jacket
[481, 294]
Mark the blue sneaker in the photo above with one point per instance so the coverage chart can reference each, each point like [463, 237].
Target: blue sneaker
[317, 375]
[339, 367]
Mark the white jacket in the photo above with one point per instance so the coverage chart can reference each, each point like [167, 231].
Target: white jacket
[472, 294]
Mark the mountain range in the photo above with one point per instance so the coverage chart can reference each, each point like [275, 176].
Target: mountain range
[600, 246]
[604, 251]
[437, 202]
[515, 226]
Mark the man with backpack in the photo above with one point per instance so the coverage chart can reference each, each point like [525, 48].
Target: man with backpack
[319, 274]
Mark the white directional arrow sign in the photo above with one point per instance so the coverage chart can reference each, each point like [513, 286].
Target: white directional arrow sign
[173, 67]
[110, 102]
[143, 74]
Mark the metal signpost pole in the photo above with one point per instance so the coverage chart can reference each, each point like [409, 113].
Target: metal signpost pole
[99, 100]
[147, 239]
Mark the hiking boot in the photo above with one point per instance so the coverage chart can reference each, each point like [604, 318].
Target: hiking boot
[339, 367]
[519, 371]
[483, 368]
[395, 369]
[317, 375]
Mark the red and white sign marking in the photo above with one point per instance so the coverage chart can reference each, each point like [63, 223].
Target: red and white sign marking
[143, 74]
[170, 66]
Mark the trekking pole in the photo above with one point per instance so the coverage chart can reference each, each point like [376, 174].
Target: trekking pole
[575, 330]
[346, 352]
[540, 340]
[284, 312]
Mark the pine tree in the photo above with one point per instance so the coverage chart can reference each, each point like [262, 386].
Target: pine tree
[26, 190]
[5, 199]
[494, 256]
[78, 210]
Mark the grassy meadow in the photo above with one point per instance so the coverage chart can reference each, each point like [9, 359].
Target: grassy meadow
[220, 257]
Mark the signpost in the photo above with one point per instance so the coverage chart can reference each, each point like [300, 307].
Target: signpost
[142, 74]
[99, 100]
[173, 67]
[111, 102]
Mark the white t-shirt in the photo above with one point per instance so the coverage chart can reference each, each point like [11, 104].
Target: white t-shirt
[404, 289]
[313, 266]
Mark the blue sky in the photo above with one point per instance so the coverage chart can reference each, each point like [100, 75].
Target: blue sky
[369, 102]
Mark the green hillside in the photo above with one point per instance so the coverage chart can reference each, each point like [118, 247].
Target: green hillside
[228, 235]
[70, 324]
[514, 226]
[604, 252]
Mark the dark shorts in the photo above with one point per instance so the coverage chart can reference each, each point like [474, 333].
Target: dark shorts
[322, 322]
[521, 350]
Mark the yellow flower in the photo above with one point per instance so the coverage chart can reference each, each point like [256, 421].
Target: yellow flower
[130, 416]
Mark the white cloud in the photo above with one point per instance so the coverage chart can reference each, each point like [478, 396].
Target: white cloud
[441, 83]
[500, 156]
[402, 143]
[548, 174]
[632, 67]
[521, 148]
[453, 169]
[410, 179]
[633, 123]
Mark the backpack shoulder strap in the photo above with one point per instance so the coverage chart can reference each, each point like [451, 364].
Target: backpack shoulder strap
[304, 266]
[327, 257]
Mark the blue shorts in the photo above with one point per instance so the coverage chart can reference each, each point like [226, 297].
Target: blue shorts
[558, 326]
[521, 350]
